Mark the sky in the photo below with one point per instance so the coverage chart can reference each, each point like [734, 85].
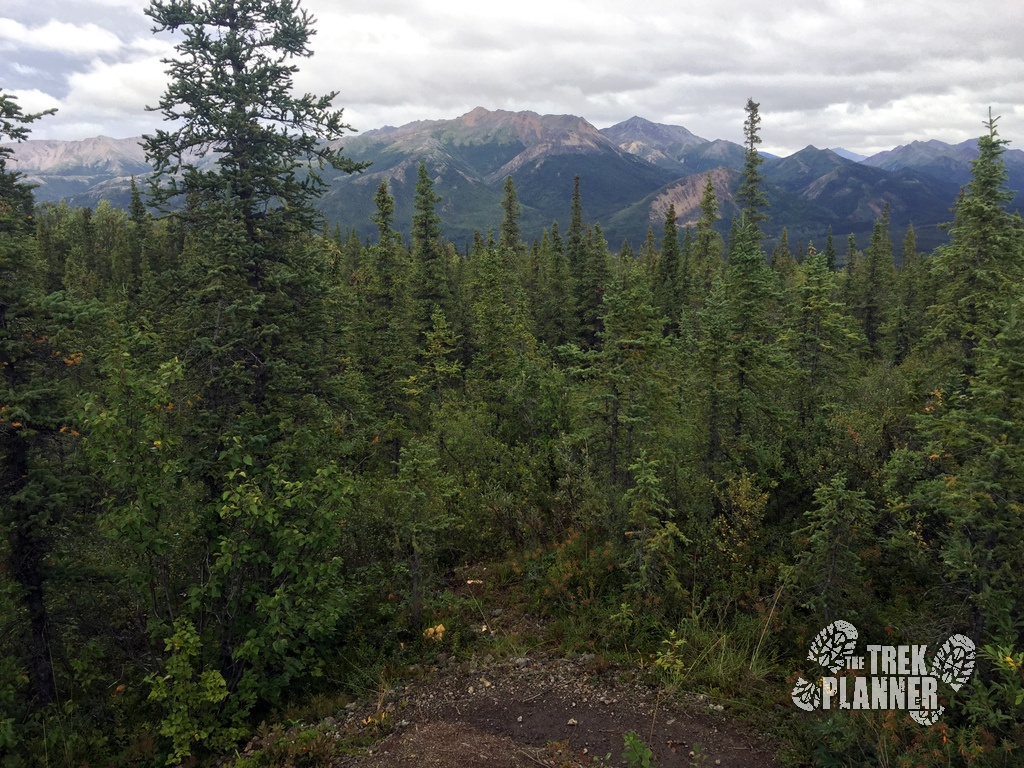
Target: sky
[862, 75]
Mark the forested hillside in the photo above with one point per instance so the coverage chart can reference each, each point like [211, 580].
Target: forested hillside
[240, 457]
[631, 172]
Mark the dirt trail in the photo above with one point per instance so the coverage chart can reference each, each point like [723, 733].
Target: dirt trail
[551, 712]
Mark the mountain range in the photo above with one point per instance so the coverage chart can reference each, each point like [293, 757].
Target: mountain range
[629, 174]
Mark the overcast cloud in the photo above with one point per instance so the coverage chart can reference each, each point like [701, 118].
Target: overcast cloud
[833, 73]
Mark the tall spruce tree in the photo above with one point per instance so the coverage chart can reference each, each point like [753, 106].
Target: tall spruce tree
[231, 93]
[668, 277]
[822, 342]
[556, 309]
[973, 457]
[905, 322]
[266, 382]
[33, 408]
[431, 290]
[751, 195]
[757, 359]
[830, 250]
[385, 343]
[877, 278]
[511, 238]
[783, 263]
[982, 267]
[576, 250]
[591, 284]
[708, 247]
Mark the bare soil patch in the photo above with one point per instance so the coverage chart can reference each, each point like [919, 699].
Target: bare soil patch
[550, 711]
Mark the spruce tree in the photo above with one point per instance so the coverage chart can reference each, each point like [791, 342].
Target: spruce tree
[709, 247]
[668, 294]
[627, 377]
[905, 324]
[983, 265]
[384, 341]
[33, 408]
[654, 536]
[715, 366]
[783, 263]
[828, 571]
[973, 457]
[758, 364]
[384, 215]
[822, 342]
[649, 250]
[751, 194]
[873, 282]
[267, 375]
[511, 238]
[576, 251]
[830, 251]
[781, 251]
[430, 267]
[556, 311]
[141, 233]
[230, 93]
[591, 284]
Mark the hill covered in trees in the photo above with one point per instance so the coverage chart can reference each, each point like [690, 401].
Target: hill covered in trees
[242, 458]
[628, 171]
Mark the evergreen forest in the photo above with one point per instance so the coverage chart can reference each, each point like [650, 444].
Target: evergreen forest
[244, 457]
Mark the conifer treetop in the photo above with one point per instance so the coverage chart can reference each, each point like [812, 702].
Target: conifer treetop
[231, 95]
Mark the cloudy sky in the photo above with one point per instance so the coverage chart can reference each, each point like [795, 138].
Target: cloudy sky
[857, 74]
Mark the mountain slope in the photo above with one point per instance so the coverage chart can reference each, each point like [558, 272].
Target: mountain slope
[822, 188]
[949, 163]
[659, 144]
[99, 156]
[471, 156]
[629, 174]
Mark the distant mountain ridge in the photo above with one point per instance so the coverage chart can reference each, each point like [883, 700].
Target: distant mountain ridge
[630, 173]
[945, 162]
[848, 155]
[101, 154]
[662, 145]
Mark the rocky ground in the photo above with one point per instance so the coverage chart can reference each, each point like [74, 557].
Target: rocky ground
[510, 711]
[552, 711]
[522, 712]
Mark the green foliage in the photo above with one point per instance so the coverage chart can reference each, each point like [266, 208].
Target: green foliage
[1000, 704]
[637, 754]
[740, 351]
[555, 308]
[256, 458]
[872, 282]
[285, 606]
[577, 575]
[190, 697]
[829, 571]
[430, 266]
[720, 660]
[591, 283]
[750, 194]
[422, 521]
[39, 477]
[822, 343]
[982, 267]
[302, 747]
[230, 91]
[511, 239]
[671, 278]
[708, 246]
[655, 537]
